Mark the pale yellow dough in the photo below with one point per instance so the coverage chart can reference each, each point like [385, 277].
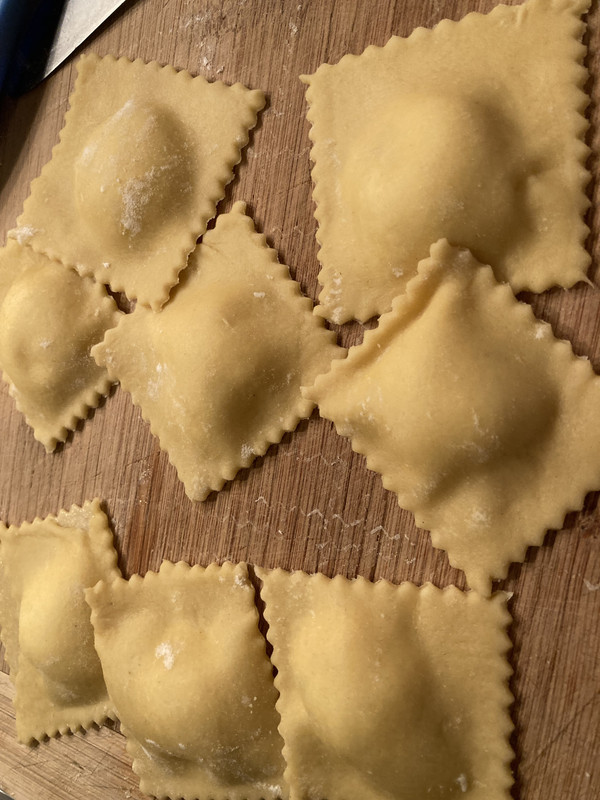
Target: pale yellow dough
[186, 668]
[484, 424]
[145, 155]
[218, 371]
[389, 691]
[49, 319]
[472, 131]
[45, 566]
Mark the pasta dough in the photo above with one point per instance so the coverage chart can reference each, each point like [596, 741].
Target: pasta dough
[484, 425]
[186, 668]
[218, 371]
[389, 691]
[145, 155]
[44, 568]
[473, 132]
[49, 319]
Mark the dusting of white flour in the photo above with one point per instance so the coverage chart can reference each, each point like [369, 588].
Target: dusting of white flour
[165, 652]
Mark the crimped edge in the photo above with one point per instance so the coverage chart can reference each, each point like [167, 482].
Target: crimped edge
[205, 210]
[234, 571]
[428, 273]
[303, 408]
[103, 542]
[368, 310]
[365, 586]
[85, 401]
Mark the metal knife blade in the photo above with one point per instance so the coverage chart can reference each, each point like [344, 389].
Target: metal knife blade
[79, 19]
[52, 34]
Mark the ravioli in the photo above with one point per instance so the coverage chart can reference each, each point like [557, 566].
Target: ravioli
[484, 425]
[186, 668]
[389, 691]
[473, 132]
[45, 566]
[49, 319]
[218, 371]
[144, 157]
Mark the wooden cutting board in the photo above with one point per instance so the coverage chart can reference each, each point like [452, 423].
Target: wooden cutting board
[309, 503]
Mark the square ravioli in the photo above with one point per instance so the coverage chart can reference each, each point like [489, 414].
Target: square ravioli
[389, 691]
[45, 566]
[218, 371]
[473, 132]
[143, 159]
[187, 670]
[484, 424]
[49, 319]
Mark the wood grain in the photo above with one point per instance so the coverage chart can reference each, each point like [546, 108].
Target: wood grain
[309, 503]
[91, 765]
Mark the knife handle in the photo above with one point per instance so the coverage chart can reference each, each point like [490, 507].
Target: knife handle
[14, 15]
